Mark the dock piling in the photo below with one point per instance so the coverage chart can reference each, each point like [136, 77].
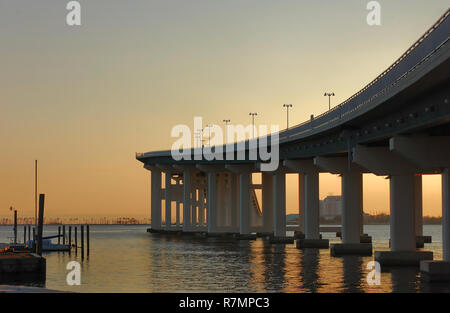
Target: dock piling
[87, 240]
[70, 239]
[15, 226]
[40, 223]
[64, 234]
[24, 234]
[82, 242]
[29, 232]
[76, 241]
[59, 234]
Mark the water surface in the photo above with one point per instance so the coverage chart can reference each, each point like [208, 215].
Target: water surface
[128, 259]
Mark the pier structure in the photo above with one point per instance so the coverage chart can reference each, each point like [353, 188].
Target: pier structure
[398, 126]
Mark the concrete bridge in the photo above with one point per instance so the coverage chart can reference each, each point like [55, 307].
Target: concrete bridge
[397, 126]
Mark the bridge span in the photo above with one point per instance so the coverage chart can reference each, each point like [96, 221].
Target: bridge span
[397, 126]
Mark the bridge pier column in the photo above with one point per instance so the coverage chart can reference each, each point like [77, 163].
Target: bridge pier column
[244, 172]
[178, 214]
[244, 203]
[311, 218]
[168, 199]
[212, 202]
[312, 231]
[235, 206]
[267, 202]
[155, 199]
[301, 202]
[187, 189]
[418, 211]
[382, 161]
[201, 205]
[352, 205]
[279, 204]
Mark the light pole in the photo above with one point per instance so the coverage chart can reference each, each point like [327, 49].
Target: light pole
[226, 129]
[253, 122]
[287, 106]
[209, 134]
[329, 95]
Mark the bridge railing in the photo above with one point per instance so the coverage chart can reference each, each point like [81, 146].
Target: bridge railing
[437, 35]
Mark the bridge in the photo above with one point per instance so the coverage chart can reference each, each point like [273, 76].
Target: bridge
[397, 126]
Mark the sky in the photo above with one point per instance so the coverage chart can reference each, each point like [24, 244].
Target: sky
[83, 99]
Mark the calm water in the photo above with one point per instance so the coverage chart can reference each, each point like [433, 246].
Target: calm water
[128, 259]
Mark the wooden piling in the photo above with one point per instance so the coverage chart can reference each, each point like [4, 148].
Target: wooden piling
[29, 232]
[15, 226]
[64, 234]
[34, 236]
[82, 242]
[70, 239]
[24, 234]
[59, 234]
[40, 223]
[87, 240]
[76, 241]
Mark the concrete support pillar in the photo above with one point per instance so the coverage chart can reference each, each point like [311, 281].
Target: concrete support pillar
[201, 206]
[244, 201]
[156, 199]
[351, 207]
[446, 215]
[235, 205]
[168, 199]
[301, 202]
[187, 188]
[212, 202]
[178, 214]
[194, 200]
[418, 205]
[267, 202]
[220, 206]
[312, 205]
[279, 204]
[402, 228]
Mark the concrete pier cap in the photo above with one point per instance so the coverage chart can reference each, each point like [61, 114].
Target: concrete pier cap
[435, 270]
[351, 249]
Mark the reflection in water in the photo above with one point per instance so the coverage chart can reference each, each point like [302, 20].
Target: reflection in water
[404, 279]
[310, 267]
[127, 259]
[353, 276]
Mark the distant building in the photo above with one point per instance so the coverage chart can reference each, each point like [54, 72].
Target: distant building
[330, 207]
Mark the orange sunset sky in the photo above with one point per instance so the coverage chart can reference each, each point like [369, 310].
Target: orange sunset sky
[82, 100]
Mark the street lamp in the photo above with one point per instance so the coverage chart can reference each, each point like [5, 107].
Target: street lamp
[209, 134]
[253, 122]
[287, 106]
[226, 129]
[329, 95]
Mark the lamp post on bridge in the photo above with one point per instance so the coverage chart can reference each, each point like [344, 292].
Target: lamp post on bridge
[329, 95]
[287, 106]
[209, 134]
[253, 114]
[226, 129]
